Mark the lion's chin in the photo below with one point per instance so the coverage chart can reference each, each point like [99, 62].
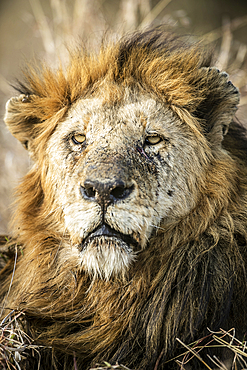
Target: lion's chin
[106, 257]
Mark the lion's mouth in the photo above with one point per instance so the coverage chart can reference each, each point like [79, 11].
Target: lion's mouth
[107, 231]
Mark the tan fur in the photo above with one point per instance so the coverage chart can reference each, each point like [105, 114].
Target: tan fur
[174, 261]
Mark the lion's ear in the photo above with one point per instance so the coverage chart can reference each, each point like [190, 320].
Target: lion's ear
[20, 119]
[219, 104]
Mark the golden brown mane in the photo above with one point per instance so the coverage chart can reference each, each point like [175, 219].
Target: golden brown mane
[192, 275]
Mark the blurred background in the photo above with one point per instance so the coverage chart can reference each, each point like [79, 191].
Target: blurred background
[45, 28]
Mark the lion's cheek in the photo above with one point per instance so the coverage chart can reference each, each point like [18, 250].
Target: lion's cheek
[174, 194]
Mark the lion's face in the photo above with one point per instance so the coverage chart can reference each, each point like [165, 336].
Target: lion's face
[120, 172]
[122, 144]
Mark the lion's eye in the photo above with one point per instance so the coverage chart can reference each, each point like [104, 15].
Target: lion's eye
[78, 139]
[152, 140]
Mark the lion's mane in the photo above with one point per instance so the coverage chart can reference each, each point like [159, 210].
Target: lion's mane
[192, 274]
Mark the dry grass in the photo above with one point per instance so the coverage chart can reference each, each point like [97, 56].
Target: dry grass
[107, 366]
[15, 344]
[220, 340]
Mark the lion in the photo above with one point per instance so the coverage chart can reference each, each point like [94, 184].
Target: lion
[131, 224]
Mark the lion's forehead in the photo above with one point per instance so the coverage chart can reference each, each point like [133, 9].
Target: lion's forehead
[128, 118]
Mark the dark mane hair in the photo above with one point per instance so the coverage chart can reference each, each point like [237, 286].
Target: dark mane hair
[236, 141]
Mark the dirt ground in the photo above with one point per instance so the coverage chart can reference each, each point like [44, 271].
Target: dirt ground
[38, 28]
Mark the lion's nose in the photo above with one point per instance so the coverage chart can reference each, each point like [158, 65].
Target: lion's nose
[105, 193]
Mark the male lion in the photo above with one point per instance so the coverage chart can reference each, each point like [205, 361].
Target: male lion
[132, 221]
